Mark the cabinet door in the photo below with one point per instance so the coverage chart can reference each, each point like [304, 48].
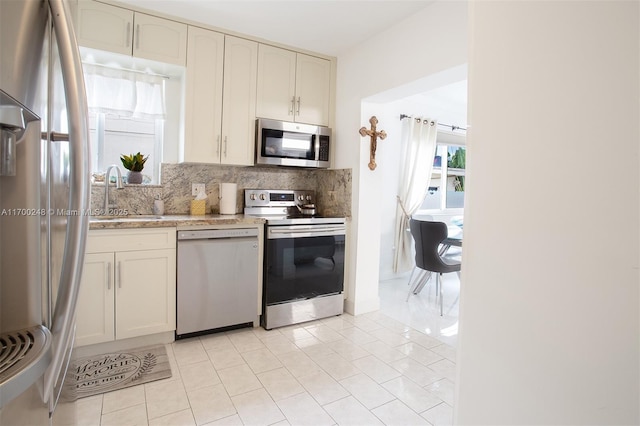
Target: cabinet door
[203, 109]
[145, 292]
[239, 101]
[160, 39]
[104, 27]
[276, 83]
[95, 311]
[313, 88]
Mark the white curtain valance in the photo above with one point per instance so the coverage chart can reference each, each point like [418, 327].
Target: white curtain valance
[124, 93]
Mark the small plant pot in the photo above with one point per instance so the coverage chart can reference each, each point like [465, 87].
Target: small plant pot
[134, 177]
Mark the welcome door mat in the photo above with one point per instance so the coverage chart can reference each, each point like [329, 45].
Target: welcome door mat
[112, 371]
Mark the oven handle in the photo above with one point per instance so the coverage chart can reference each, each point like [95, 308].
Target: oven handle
[305, 231]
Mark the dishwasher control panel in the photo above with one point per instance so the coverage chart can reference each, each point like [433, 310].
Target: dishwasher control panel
[205, 234]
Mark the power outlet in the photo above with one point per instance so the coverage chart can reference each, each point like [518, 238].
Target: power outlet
[197, 188]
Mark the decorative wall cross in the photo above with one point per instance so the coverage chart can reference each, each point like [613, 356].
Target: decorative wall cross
[374, 142]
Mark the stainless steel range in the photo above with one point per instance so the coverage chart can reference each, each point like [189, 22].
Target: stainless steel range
[303, 257]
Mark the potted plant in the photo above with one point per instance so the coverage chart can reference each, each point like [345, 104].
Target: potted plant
[134, 163]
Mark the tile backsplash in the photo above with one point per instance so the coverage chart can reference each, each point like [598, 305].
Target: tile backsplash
[333, 187]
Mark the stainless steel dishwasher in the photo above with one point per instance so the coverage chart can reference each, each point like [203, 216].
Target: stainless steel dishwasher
[217, 283]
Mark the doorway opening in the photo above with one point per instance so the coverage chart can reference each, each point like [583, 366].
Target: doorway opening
[444, 101]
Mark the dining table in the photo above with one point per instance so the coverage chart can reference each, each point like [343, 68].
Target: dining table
[454, 238]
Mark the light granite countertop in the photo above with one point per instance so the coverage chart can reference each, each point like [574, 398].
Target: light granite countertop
[154, 221]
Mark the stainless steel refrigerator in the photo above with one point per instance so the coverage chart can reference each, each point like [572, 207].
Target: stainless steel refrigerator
[44, 200]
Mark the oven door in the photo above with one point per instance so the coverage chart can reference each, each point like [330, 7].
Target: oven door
[303, 262]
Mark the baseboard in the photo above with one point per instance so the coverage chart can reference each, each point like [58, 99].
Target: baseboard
[363, 306]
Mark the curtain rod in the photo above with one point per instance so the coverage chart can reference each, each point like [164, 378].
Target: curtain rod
[110, 67]
[452, 127]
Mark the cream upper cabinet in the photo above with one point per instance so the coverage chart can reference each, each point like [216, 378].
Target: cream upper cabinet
[313, 88]
[114, 29]
[239, 101]
[203, 98]
[128, 286]
[293, 86]
[159, 39]
[220, 99]
[104, 27]
[276, 83]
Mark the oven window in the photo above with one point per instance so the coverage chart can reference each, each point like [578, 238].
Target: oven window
[302, 268]
[277, 143]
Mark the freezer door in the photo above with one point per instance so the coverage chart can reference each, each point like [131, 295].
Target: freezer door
[23, 236]
[23, 25]
[33, 260]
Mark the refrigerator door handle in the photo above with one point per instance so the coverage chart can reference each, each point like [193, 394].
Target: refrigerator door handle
[77, 225]
[55, 136]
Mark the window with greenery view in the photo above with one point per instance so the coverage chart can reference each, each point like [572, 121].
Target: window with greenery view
[446, 188]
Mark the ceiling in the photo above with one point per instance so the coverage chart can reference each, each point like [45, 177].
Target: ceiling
[323, 26]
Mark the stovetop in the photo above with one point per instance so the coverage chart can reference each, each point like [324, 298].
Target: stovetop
[278, 207]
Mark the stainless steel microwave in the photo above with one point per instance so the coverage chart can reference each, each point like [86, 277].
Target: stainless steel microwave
[283, 143]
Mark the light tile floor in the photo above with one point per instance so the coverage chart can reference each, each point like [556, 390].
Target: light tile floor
[422, 311]
[395, 366]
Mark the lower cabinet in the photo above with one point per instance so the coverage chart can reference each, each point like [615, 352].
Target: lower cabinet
[128, 286]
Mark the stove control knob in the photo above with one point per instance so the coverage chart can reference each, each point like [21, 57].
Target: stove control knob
[252, 197]
[263, 196]
[308, 197]
[300, 197]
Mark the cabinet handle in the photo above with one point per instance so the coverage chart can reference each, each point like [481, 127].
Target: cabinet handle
[119, 275]
[298, 111]
[218, 145]
[293, 101]
[108, 275]
[138, 36]
[225, 147]
[128, 34]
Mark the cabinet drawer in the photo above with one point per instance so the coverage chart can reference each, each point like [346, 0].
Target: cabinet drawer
[131, 239]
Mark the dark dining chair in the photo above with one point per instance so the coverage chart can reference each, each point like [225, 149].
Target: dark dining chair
[428, 237]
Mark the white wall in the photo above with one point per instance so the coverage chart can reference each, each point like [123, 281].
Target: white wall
[549, 327]
[426, 44]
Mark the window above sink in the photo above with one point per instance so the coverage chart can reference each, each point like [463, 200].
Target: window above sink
[135, 105]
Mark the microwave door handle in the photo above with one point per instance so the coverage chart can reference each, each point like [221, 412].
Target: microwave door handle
[316, 146]
[62, 322]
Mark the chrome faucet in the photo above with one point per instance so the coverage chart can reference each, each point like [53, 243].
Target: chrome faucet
[119, 185]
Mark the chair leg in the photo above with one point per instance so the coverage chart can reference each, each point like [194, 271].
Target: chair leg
[423, 282]
[413, 271]
[416, 283]
[440, 294]
[410, 282]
